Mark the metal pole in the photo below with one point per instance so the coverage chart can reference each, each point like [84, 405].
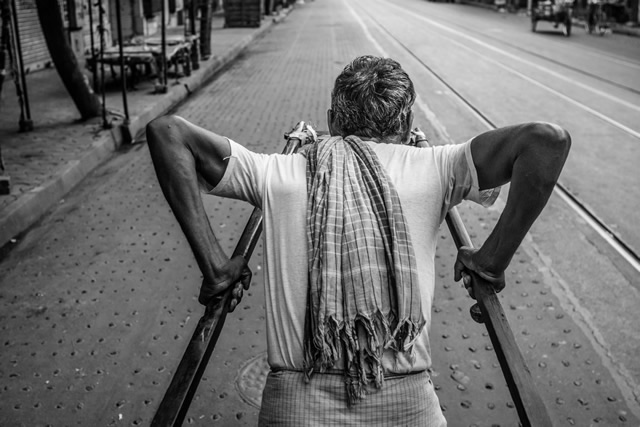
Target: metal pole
[195, 64]
[105, 123]
[93, 50]
[192, 17]
[185, 17]
[123, 73]
[163, 29]
[26, 124]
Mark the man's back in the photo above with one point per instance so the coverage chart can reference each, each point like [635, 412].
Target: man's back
[428, 182]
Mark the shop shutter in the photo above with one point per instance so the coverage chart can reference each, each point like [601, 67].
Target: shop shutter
[35, 53]
[34, 48]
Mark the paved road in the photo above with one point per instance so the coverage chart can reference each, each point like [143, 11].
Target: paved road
[588, 84]
[99, 300]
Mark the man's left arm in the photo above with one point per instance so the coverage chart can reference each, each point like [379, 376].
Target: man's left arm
[529, 156]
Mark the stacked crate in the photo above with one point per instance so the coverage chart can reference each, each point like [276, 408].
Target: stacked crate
[243, 13]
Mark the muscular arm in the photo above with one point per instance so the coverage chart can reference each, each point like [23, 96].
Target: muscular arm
[185, 155]
[530, 156]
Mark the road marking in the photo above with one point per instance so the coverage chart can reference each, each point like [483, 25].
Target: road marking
[531, 80]
[366, 31]
[529, 63]
[562, 192]
[438, 126]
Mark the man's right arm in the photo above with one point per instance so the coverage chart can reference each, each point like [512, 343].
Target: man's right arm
[183, 155]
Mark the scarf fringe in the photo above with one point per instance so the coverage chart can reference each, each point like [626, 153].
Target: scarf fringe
[361, 348]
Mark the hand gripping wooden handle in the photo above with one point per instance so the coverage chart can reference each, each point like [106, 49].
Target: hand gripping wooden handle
[489, 311]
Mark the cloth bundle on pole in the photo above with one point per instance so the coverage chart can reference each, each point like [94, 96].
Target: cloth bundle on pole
[364, 295]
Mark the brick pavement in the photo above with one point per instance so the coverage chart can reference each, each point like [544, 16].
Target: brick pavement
[46, 163]
[98, 303]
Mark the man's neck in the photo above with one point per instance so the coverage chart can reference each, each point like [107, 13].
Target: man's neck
[396, 139]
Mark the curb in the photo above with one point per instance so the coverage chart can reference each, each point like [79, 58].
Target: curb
[29, 208]
[32, 205]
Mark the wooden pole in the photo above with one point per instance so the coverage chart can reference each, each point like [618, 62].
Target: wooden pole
[528, 402]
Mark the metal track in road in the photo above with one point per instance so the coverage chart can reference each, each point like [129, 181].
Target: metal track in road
[597, 224]
[567, 66]
[560, 63]
[531, 80]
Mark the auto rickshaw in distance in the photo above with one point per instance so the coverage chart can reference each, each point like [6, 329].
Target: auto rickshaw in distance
[558, 12]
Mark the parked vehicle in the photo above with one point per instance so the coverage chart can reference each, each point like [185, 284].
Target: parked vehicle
[559, 12]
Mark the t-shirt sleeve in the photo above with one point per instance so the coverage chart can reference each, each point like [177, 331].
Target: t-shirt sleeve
[460, 178]
[244, 176]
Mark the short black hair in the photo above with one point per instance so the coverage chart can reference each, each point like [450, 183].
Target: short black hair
[372, 97]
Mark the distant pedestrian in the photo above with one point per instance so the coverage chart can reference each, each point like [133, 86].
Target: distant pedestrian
[350, 231]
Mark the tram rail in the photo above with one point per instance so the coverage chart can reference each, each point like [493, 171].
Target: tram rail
[563, 64]
[610, 236]
[548, 58]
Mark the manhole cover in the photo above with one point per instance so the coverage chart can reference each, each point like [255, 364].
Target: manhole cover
[251, 379]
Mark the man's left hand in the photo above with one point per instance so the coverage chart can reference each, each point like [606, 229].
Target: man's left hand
[236, 273]
[418, 138]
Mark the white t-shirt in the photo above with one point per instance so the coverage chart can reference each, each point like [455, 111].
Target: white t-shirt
[429, 181]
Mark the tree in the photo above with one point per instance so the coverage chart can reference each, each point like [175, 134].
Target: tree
[65, 60]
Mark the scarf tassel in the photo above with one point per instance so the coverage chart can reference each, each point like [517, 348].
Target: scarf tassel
[362, 350]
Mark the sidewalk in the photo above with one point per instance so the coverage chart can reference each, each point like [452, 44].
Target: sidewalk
[44, 164]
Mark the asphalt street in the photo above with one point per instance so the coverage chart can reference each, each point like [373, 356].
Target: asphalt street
[100, 298]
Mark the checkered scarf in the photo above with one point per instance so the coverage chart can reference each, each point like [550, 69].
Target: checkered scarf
[363, 289]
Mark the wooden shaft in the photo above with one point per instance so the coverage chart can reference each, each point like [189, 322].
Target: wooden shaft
[529, 404]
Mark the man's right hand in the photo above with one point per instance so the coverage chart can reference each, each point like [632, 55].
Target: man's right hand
[235, 273]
